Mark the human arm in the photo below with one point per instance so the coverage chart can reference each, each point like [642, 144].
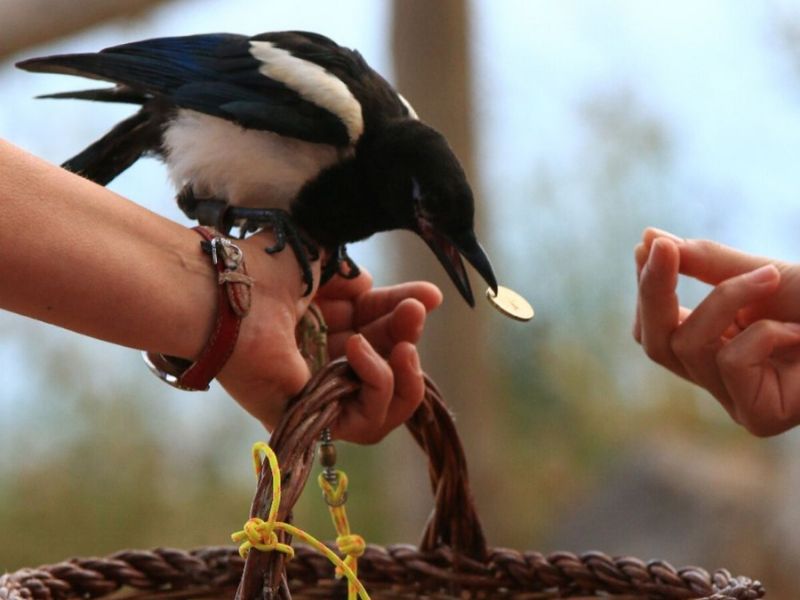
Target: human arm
[81, 257]
[741, 343]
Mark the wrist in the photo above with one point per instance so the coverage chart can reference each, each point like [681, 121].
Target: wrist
[232, 292]
[266, 368]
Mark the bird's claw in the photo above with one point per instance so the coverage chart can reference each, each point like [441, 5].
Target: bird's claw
[206, 211]
[340, 264]
[220, 215]
[286, 234]
[280, 240]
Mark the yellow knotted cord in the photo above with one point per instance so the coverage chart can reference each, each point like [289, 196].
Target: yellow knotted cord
[260, 534]
[349, 544]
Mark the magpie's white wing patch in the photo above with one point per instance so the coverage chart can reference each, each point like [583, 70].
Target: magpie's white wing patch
[246, 167]
[312, 83]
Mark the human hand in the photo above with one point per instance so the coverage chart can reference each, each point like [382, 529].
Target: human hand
[377, 329]
[741, 343]
[266, 367]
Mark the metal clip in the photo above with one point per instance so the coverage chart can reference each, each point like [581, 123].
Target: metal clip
[225, 250]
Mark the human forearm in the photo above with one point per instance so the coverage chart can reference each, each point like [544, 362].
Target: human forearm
[76, 255]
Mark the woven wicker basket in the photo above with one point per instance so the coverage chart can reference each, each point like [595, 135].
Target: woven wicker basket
[452, 560]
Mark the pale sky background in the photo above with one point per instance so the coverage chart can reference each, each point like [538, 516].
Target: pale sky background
[714, 74]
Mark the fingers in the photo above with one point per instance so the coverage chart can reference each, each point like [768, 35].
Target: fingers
[737, 343]
[699, 339]
[708, 261]
[380, 301]
[764, 398]
[385, 316]
[339, 314]
[650, 234]
[390, 321]
[659, 310]
[713, 263]
[360, 423]
[340, 288]
[409, 386]
[404, 324]
[352, 312]
[640, 254]
[719, 309]
[390, 391]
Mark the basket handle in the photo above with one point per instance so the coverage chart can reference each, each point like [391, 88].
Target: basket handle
[454, 521]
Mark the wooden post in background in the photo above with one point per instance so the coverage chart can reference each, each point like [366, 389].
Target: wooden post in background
[431, 49]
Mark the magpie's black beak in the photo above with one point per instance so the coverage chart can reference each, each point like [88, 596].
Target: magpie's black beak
[449, 249]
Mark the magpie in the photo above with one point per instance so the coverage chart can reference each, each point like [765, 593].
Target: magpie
[286, 130]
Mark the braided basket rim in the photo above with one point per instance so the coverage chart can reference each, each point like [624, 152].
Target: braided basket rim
[399, 570]
[452, 560]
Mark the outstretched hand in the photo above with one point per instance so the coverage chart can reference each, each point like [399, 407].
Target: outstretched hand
[741, 343]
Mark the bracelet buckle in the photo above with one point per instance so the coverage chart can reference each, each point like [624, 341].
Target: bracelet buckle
[222, 249]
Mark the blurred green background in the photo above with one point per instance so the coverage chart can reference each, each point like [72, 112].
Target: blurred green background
[580, 123]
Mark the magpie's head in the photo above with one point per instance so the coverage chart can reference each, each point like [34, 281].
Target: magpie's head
[423, 188]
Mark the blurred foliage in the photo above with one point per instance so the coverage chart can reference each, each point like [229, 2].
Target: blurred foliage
[92, 470]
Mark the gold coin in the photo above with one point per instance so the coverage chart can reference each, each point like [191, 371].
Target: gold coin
[510, 303]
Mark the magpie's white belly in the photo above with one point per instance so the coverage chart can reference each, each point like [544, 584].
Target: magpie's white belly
[246, 167]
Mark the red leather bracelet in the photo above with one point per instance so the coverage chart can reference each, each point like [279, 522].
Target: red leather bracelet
[233, 304]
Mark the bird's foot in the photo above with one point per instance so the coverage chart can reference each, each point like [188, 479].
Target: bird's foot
[206, 211]
[339, 263]
[223, 217]
[285, 231]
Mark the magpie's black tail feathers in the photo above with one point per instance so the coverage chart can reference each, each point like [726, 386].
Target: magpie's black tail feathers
[118, 149]
[128, 140]
[91, 65]
[139, 71]
[118, 94]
